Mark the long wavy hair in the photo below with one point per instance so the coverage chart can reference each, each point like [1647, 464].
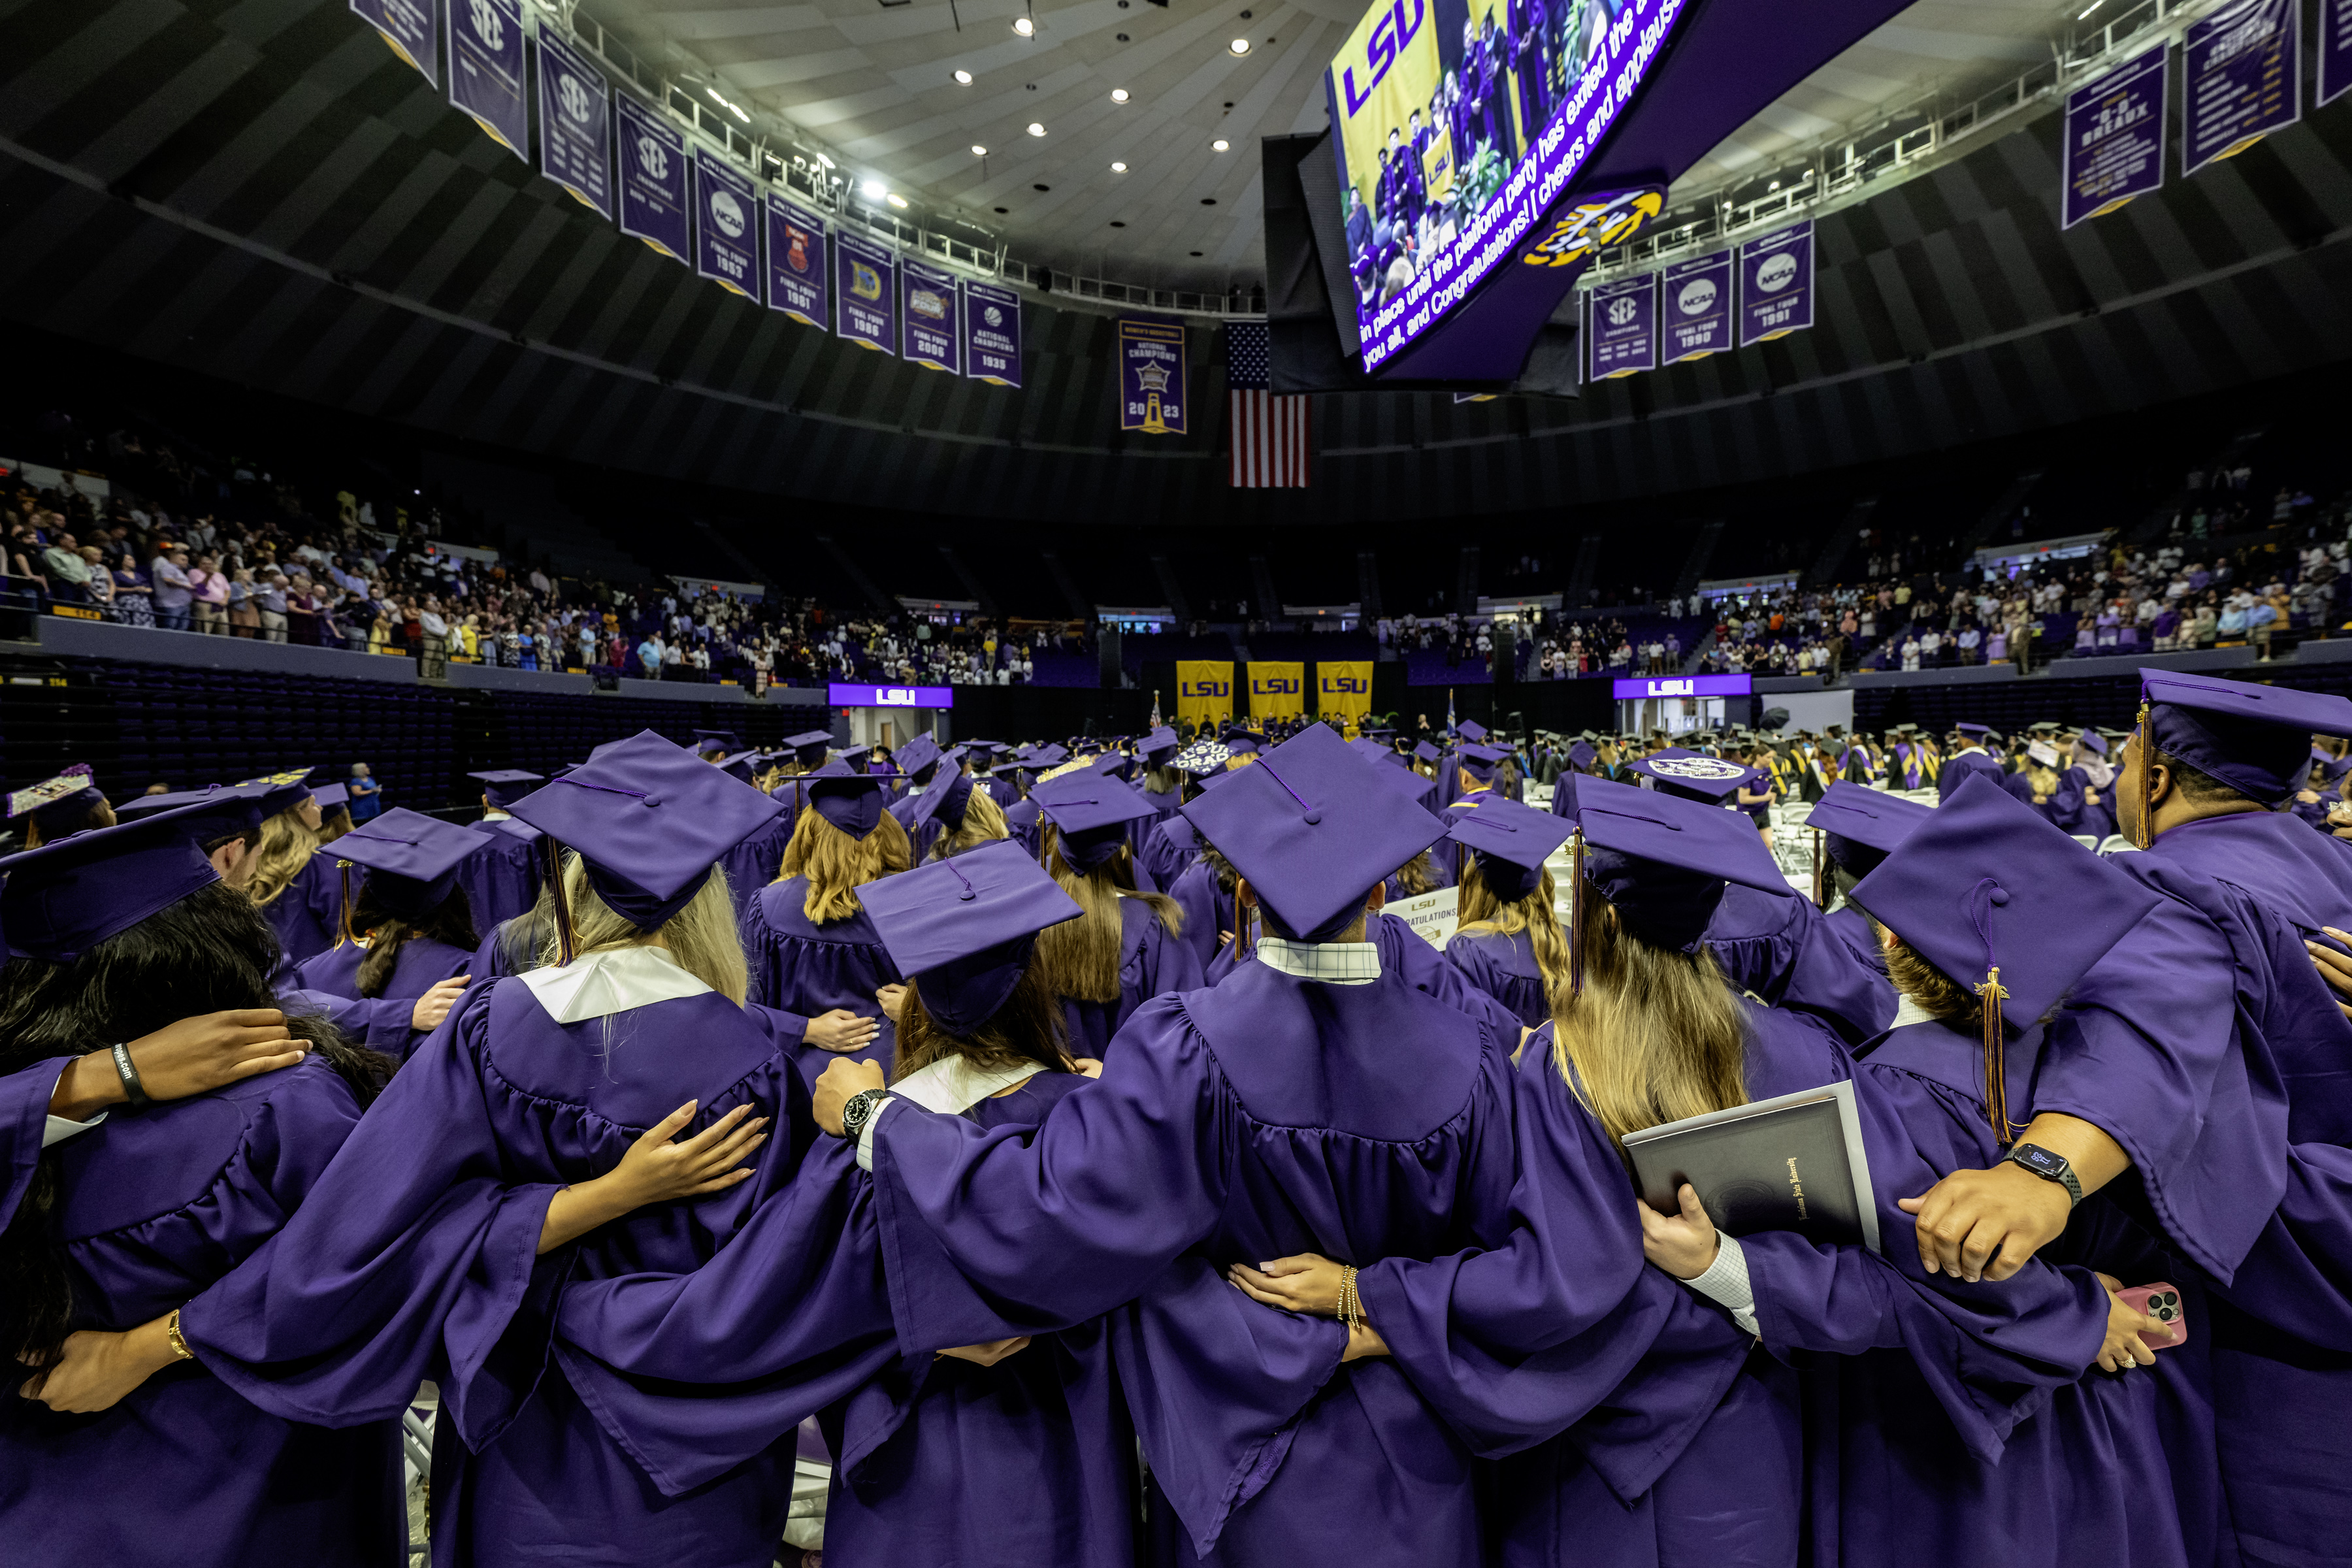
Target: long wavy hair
[385, 933]
[1482, 909]
[701, 937]
[335, 823]
[1655, 1036]
[983, 823]
[1417, 876]
[1030, 1026]
[208, 952]
[1080, 958]
[834, 863]
[286, 846]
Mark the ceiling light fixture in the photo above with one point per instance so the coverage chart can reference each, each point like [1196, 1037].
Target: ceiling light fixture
[978, 151]
[896, 200]
[1118, 168]
[1024, 27]
[1221, 145]
[875, 190]
[964, 77]
[1036, 129]
[1118, 95]
[826, 161]
[1239, 45]
[2094, 6]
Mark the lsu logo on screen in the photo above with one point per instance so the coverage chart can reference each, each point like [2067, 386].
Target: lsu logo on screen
[1206, 689]
[1345, 686]
[1390, 34]
[1586, 227]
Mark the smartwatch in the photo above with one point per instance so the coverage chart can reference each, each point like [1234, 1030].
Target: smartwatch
[2050, 1167]
[860, 1110]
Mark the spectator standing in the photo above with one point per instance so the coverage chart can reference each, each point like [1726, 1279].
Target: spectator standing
[134, 596]
[366, 795]
[172, 593]
[269, 602]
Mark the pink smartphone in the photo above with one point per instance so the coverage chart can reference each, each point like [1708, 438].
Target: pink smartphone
[2161, 1302]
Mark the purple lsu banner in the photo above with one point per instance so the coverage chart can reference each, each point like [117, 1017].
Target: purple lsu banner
[1776, 284]
[2242, 79]
[575, 124]
[865, 279]
[1151, 375]
[2335, 48]
[653, 178]
[411, 27]
[725, 225]
[487, 69]
[1695, 299]
[797, 276]
[2115, 137]
[992, 334]
[927, 318]
[1623, 337]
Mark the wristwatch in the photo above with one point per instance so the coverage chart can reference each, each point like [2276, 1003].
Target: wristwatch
[860, 1110]
[2050, 1167]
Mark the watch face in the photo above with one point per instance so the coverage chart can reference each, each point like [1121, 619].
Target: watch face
[2040, 1161]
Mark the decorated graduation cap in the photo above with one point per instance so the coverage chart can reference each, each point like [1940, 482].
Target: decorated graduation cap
[810, 746]
[1313, 830]
[648, 819]
[1091, 811]
[721, 741]
[1479, 762]
[280, 792]
[1202, 758]
[2254, 739]
[1858, 826]
[2044, 752]
[1159, 746]
[961, 930]
[844, 795]
[61, 805]
[1511, 842]
[65, 897]
[504, 786]
[1689, 775]
[2001, 899]
[409, 860]
[1662, 862]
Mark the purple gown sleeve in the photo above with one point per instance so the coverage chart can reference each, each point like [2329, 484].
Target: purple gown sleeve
[2298, 1278]
[1169, 963]
[24, 1117]
[381, 1024]
[413, 1259]
[1806, 963]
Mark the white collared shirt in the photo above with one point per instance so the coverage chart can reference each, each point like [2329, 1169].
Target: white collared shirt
[1333, 963]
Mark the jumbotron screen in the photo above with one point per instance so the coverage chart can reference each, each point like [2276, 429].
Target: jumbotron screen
[1458, 123]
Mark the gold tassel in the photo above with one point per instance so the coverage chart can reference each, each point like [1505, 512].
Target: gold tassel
[2145, 834]
[561, 906]
[1990, 994]
[345, 934]
[1821, 892]
[1576, 912]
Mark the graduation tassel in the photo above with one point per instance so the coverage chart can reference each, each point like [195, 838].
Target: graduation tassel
[557, 901]
[1576, 912]
[345, 934]
[1991, 993]
[1821, 893]
[2145, 743]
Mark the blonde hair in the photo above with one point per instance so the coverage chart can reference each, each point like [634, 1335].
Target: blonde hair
[1080, 958]
[1417, 876]
[1482, 909]
[286, 845]
[983, 821]
[334, 823]
[836, 864]
[1655, 1036]
[701, 937]
[2042, 780]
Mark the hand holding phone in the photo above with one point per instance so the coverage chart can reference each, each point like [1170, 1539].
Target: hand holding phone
[2161, 1302]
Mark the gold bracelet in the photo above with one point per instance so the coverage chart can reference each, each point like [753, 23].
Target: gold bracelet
[180, 1351]
[1351, 1306]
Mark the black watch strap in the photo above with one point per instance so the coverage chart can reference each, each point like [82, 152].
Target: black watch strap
[858, 1111]
[133, 1089]
[2063, 1175]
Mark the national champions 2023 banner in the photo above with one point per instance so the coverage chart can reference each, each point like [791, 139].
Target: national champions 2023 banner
[1343, 689]
[1204, 691]
[1278, 688]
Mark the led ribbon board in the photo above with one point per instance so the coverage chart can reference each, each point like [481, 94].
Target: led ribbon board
[841, 695]
[1639, 687]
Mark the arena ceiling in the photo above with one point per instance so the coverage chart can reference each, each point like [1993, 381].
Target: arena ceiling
[875, 84]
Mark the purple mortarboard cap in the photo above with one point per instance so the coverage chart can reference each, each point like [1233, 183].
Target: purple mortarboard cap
[1372, 751]
[1313, 830]
[411, 860]
[66, 897]
[708, 741]
[1863, 824]
[1046, 756]
[1583, 756]
[2092, 743]
[328, 796]
[1988, 882]
[59, 804]
[1112, 765]
[278, 792]
[845, 795]
[505, 785]
[1978, 730]
[2254, 739]
[1690, 776]
[1663, 861]
[2331, 767]
[1511, 842]
[918, 754]
[1409, 785]
[810, 746]
[738, 766]
[230, 808]
[1471, 729]
[961, 930]
[1426, 753]
[946, 800]
[1091, 812]
[1479, 762]
[1159, 746]
[650, 819]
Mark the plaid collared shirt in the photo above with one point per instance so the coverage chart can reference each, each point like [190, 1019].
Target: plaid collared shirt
[1334, 963]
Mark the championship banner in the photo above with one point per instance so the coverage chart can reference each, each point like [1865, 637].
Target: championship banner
[725, 245]
[1695, 298]
[412, 29]
[927, 304]
[487, 69]
[652, 180]
[1277, 689]
[1151, 375]
[1776, 284]
[1204, 691]
[1343, 689]
[2334, 49]
[2242, 79]
[1624, 335]
[575, 124]
[2115, 137]
[796, 274]
[865, 277]
[992, 334]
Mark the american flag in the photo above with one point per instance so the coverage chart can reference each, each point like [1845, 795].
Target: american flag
[1272, 435]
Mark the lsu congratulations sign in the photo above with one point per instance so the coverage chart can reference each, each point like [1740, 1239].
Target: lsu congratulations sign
[1343, 689]
[1277, 689]
[1204, 691]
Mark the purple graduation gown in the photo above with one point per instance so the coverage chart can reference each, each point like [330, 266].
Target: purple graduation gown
[186, 1472]
[1959, 767]
[1168, 850]
[501, 881]
[1504, 967]
[803, 968]
[1208, 911]
[422, 963]
[308, 912]
[753, 864]
[1266, 1116]
[1151, 962]
[2071, 811]
[416, 1258]
[1783, 949]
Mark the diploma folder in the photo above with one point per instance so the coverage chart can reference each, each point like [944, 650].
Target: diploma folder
[1792, 1164]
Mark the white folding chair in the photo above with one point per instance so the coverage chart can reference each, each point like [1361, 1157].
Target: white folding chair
[2116, 843]
[2087, 840]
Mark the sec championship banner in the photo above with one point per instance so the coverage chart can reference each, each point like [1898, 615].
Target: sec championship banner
[2335, 48]
[2241, 78]
[927, 302]
[2115, 137]
[652, 180]
[575, 124]
[865, 279]
[992, 334]
[726, 243]
[1776, 284]
[796, 274]
[1277, 689]
[1152, 376]
[411, 28]
[486, 70]
[1695, 298]
[1343, 689]
[1623, 337]
[1204, 691]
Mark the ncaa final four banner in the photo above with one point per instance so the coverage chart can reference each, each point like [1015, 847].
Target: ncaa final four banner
[1776, 284]
[652, 180]
[926, 319]
[2115, 137]
[1277, 689]
[1151, 375]
[796, 272]
[1622, 335]
[2241, 78]
[1695, 300]
[1204, 691]
[726, 241]
[411, 27]
[487, 69]
[992, 334]
[575, 124]
[1343, 689]
[865, 280]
